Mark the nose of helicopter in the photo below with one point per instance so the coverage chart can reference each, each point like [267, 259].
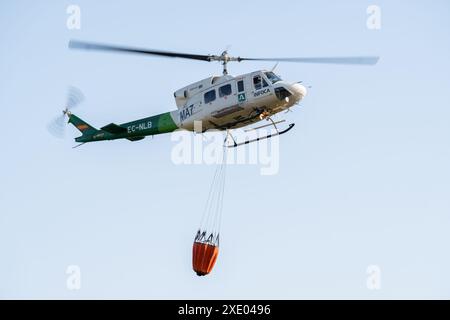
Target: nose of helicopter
[299, 91]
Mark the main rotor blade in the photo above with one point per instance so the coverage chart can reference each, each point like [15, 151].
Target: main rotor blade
[364, 60]
[74, 44]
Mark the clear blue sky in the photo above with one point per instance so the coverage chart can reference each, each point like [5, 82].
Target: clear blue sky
[364, 176]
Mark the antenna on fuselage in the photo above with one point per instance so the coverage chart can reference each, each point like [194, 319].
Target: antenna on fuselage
[274, 67]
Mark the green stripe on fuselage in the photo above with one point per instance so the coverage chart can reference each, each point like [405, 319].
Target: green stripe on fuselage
[162, 123]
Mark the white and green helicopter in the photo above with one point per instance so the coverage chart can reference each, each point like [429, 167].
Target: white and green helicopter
[218, 102]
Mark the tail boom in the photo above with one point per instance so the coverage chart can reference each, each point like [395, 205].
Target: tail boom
[133, 131]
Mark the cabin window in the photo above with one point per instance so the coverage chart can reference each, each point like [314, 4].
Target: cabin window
[225, 90]
[240, 85]
[259, 82]
[272, 77]
[210, 96]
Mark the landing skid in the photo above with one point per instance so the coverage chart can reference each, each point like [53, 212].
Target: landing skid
[278, 133]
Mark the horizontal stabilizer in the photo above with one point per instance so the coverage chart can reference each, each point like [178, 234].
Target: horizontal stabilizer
[114, 128]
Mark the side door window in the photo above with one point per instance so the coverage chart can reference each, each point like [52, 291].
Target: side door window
[259, 82]
[240, 86]
[225, 90]
[210, 96]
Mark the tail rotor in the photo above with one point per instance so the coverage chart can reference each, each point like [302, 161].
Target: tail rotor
[57, 126]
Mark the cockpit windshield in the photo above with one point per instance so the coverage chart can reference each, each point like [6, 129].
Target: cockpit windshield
[272, 77]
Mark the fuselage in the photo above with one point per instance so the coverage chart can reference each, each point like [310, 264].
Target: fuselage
[222, 102]
[228, 102]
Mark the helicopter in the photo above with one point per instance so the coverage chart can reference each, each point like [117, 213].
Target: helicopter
[222, 102]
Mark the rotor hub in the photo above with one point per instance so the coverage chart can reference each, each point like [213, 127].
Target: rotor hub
[67, 112]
